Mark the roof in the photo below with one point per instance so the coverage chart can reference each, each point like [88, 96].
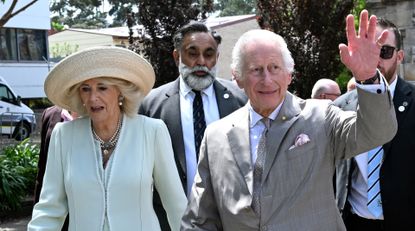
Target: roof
[113, 31]
[219, 22]
[213, 23]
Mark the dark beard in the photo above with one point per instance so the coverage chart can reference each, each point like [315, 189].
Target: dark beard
[390, 73]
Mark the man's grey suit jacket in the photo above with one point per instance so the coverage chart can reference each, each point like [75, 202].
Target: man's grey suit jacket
[297, 189]
[163, 103]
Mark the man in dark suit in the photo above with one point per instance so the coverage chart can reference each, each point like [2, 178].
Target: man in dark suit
[395, 189]
[196, 54]
[50, 117]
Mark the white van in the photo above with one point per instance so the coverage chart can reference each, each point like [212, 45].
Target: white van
[16, 119]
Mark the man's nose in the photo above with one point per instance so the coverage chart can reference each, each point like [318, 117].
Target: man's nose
[201, 61]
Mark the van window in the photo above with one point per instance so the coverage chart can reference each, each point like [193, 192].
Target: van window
[6, 95]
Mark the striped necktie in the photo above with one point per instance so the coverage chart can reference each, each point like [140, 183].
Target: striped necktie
[199, 123]
[259, 168]
[374, 203]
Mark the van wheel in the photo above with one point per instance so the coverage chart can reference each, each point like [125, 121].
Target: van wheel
[22, 131]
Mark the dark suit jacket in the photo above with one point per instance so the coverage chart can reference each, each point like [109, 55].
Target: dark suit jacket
[397, 173]
[50, 117]
[163, 103]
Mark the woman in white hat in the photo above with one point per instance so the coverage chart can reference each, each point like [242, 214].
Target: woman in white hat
[102, 167]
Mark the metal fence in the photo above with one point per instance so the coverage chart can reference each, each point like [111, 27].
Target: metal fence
[8, 128]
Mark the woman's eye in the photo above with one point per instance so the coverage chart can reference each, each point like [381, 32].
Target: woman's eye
[85, 89]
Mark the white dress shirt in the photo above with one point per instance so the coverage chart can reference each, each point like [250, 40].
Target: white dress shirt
[256, 128]
[358, 190]
[210, 108]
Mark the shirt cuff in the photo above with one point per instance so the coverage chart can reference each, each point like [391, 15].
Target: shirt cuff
[379, 88]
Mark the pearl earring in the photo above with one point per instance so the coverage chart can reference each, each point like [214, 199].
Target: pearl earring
[120, 100]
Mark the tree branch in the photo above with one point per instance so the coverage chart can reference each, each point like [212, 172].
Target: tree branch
[10, 14]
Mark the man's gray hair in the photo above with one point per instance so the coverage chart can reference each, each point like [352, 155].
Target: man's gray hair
[259, 35]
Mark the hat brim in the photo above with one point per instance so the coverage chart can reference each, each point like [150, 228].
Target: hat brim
[113, 62]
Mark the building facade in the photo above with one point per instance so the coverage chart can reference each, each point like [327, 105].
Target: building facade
[24, 55]
[402, 13]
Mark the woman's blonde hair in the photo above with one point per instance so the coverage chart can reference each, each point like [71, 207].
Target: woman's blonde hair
[132, 96]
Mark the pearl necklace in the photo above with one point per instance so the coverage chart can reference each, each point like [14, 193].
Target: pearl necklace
[106, 147]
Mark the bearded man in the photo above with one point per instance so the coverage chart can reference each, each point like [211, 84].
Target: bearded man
[195, 99]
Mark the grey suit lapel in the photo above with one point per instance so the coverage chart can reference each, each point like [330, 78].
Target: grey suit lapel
[238, 138]
[286, 117]
[174, 122]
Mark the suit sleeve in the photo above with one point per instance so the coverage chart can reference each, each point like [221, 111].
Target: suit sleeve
[167, 179]
[50, 212]
[372, 125]
[202, 212]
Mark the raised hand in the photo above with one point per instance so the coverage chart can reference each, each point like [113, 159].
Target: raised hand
[361, 54]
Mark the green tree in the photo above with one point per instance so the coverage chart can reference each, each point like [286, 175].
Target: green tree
[12, 11]
[235, 7]
[313, 31]
[86, 14]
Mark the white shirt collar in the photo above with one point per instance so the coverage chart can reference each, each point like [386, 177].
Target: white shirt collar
[254, 117]
[392, 86]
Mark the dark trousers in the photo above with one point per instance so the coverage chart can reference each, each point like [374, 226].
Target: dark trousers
[355, 223]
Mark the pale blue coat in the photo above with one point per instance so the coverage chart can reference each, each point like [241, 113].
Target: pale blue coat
[72, 183]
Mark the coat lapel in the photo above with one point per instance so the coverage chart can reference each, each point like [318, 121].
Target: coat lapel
[286, 117]
[238, 138]
[224, 99]
[402, 101]
[174, 123]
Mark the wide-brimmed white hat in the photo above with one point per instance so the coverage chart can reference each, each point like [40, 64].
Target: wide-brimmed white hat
[114, 62]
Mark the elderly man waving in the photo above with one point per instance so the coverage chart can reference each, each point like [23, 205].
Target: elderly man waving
[269, 165]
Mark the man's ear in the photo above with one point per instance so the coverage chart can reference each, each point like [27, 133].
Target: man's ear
[238, 80]
[401, 56]
[176, 57]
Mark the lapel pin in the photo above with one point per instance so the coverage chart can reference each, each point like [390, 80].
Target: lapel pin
[405, 103]
[284, 118]
[226, 96]
[401, 108]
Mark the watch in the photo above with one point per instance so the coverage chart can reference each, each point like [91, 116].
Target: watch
[371, 80]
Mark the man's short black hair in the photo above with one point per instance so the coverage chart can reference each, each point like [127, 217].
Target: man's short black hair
[386, 24]
[193, 27]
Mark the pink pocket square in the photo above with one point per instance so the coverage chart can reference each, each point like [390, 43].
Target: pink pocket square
[300, 140]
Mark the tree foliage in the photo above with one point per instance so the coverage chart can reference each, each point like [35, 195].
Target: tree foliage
[313, 30]
[86, 14]
[13, 11]
[235, 7]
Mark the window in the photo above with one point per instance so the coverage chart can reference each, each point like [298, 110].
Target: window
[8, 49]
[23, 44]
[6, 95]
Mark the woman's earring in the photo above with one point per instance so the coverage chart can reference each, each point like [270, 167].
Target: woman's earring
[120, 100]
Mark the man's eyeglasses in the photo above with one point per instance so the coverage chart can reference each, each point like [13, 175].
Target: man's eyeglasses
[386, 52]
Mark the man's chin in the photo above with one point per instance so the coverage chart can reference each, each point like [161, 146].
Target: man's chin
[199, 83]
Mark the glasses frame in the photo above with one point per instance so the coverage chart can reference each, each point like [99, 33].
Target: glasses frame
[387, 52]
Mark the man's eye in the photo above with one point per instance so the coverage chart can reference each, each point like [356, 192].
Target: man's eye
[193, 54]
[274, 69]
[102, 88]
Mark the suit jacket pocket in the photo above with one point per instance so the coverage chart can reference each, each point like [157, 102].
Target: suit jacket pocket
[304, 149]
